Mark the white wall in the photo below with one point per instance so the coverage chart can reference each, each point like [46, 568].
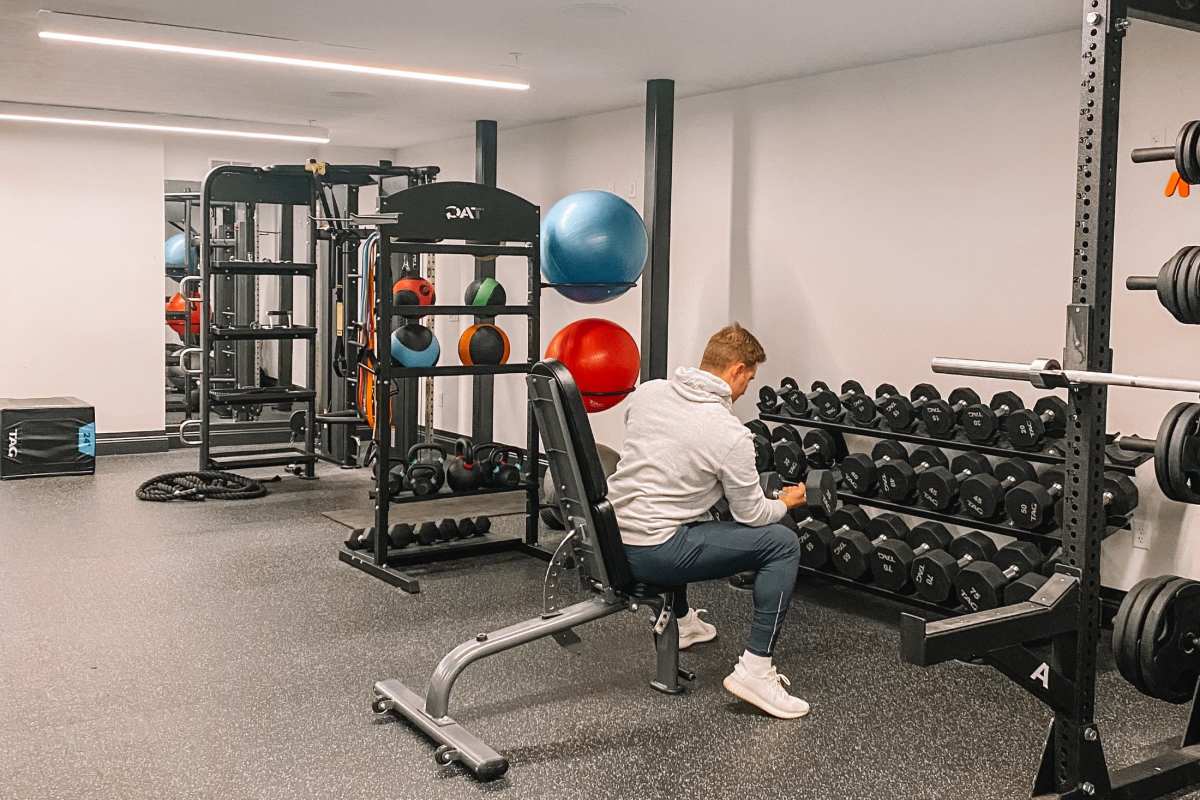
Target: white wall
[863, 221]
[81, 308]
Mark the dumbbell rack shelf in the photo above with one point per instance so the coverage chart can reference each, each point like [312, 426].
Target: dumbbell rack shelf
[1003, 528]
[1049, 455]
[416, 554]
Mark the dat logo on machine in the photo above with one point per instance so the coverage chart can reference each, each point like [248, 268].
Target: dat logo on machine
[464, 212]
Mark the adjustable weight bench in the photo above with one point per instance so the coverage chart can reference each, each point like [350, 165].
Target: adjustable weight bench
[592, 544]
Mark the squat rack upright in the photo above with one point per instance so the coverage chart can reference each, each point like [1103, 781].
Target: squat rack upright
[1068, 608]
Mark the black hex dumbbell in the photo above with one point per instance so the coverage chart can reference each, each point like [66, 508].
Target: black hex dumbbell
[820, 448]
[864, 410]
[769, 401]
[901, 413]
[982, 496]
[853, 550]
[981, 585]
[933, 573]
[938, 487]
[816, 537]
[1119, 498]
[830, 406]
[1030, 504]
[764, 458]
[1027, 428]
[982, 422]
[859, 470]
[794, 400]
[893, 559]
[820, 487]
[897, 480]
[941, 416]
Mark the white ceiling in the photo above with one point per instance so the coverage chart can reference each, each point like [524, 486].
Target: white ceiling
[578, 57]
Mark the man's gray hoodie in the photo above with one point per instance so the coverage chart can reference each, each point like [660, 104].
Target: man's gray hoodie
[683, 450]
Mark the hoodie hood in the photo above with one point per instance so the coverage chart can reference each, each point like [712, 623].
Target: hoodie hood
[698, 386]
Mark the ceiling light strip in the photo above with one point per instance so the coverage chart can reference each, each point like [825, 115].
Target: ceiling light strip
[262, 58]
[139, 126]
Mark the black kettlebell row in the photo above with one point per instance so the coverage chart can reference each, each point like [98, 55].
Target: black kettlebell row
[402, 534]
[487, 465]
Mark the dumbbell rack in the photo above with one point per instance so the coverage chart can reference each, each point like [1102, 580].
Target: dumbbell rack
[1052, 454]
[411, 223]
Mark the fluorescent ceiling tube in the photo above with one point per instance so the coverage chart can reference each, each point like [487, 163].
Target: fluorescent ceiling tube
[288, 61]
[159, 123]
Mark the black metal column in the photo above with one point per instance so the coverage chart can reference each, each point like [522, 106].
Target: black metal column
[1074, 736]
[656, 280]
[286, 291]
[483, 389]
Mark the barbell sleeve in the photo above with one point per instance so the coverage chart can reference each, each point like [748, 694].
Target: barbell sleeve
[1141, 282]
[1047, 373]
[1136, 444]
[1143, 155]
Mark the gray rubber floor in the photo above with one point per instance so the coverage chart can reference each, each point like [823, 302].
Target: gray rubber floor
[220, 650]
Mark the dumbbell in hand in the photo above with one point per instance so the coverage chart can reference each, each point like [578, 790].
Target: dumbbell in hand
[1027, 428]
[865, 411]
[1120, 496]
[900, 413]
[898, 479]
[893, 559]
[816, 537]
[820, 488]
[763, 455]
[982, 422]
[933, 573]
[853, 550]
[982, 496]
[859, 470]
[820, 448]
[830, 406]
[938, 487]
[981, 585]
[941, 416]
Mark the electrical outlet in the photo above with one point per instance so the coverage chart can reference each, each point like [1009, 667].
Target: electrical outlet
[1142, 534]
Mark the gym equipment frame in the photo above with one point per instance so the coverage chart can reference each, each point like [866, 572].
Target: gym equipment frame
[1067, 608]
[411, 223]
[593, 544]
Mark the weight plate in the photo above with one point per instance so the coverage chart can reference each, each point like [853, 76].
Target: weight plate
[1170, 275]
[1187, 157]
[1125, 648]
[1192, 293]
[1182, 435]
[1162, 442]
[1121, 620]
[1181, 152]
[1162, 284]
[1160, 651]
[1185, 288]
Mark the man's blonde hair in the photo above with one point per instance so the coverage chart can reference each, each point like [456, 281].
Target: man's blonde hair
[731, 345]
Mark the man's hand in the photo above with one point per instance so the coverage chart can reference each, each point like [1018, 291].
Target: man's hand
[794, 496]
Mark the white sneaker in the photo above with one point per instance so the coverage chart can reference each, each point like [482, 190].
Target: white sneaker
[768, 692]
[693, 630]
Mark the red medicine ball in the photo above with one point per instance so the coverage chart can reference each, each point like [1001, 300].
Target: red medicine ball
[412, 291]
[602, 357]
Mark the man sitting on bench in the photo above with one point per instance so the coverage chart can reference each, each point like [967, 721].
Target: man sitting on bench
[683, 450]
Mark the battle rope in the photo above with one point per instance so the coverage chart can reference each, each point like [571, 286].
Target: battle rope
[200, 486]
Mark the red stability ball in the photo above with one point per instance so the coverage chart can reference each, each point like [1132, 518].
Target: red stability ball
[176, 305]
[602, 357]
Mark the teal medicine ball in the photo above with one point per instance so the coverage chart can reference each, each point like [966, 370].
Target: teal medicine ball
[414, 345]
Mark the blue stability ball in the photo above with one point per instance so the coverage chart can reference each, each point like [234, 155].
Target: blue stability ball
[593, 237]
[415, 345]
[175, 250]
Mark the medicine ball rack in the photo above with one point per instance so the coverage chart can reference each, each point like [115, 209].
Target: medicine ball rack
[1067, 608]
[415, 222]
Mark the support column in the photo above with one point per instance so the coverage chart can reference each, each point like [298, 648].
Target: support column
[656, 280]
[483, 386]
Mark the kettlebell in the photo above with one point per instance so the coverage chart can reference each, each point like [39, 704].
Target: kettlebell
[462, 471]
[424, 478]
[502, 472]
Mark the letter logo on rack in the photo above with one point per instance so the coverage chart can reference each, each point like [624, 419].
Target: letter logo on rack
[1042, 675]
[464, 212]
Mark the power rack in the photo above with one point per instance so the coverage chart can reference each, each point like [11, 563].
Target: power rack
[1068, 608]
